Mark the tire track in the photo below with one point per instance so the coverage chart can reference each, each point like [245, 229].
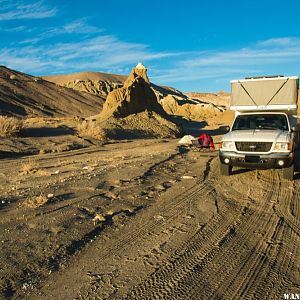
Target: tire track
[144, 230]
[234, 253]
[245, 251]
[278, 253]
[206, 277]
[73, 243]
[142, 226]
[273, 260]
[176, 282]
[290, 253]
[288, 207]
[237, 253]
[203, 189]
[161, 283]
[198, 254]
[241, 284]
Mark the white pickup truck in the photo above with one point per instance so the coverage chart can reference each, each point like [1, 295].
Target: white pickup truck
[265, 130]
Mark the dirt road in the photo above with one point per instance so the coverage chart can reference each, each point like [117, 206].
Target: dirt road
[146, 220]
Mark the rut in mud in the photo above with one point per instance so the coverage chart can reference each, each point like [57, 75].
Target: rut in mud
[171, 228]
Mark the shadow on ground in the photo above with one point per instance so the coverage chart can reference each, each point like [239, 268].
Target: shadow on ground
[47, 131]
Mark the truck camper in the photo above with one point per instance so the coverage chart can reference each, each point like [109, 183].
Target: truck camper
[265, 130]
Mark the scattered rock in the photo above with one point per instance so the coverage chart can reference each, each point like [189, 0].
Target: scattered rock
[187, 177]
[159, 187]
[99, 218]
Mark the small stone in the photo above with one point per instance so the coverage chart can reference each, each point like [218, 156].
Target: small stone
[159, 187]
[187, 177]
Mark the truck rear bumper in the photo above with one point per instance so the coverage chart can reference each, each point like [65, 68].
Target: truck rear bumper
[252, 161]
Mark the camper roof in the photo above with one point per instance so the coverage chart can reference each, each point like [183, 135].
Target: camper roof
[264, 78]
[268, 93]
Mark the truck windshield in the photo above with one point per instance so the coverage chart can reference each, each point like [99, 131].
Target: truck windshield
[261, 121]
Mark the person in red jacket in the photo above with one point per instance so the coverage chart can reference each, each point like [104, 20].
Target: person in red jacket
[206, 141]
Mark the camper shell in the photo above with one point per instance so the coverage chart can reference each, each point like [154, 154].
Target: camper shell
[265, 93]
[265, 131]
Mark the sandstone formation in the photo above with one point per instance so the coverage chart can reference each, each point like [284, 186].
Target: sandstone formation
[134, 97]
[134, 108]
[95, 83]
[95, 87]
[191, 109]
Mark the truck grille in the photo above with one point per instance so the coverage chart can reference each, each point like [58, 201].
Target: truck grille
[253, 146]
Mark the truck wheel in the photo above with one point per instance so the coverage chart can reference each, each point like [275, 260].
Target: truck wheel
[288, 173]
[225, 170]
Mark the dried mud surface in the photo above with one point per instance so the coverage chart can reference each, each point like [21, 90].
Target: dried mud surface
[145, 220]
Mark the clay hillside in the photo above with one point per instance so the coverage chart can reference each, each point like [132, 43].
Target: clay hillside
[65, 78]
[95, 83]
[191, 106]
[22, 95]
[221, 98]
[98, 83]
[83, 95]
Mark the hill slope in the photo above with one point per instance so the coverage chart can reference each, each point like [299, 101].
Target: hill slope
[22, 94]
[221, 98]
[66, 78]
[95, 83]
[102, 84]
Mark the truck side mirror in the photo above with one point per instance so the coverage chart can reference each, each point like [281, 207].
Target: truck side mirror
[296, 128]
[224, 128]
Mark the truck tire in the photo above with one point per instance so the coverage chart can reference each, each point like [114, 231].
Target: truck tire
[225, 170]
[288, 173]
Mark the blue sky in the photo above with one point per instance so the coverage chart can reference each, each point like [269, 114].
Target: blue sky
[190, 45]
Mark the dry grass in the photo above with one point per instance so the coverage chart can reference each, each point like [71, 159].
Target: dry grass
[91, 129]
[30, 166]
[35, 202]
[10, 126]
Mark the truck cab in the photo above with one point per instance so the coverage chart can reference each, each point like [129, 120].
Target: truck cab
[265, 130]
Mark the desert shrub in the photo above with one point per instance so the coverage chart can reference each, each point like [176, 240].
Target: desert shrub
[91, 129]
[9, 126]
[36, 201]
[28, 167]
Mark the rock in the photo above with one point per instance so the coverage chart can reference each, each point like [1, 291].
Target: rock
[193, 109]
[136, 96]
[134, 112]
[159, 187]
[187, 177]
[99, 218]
[96, 87]
[187, 140]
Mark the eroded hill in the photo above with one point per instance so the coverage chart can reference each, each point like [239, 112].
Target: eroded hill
[22, 95]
